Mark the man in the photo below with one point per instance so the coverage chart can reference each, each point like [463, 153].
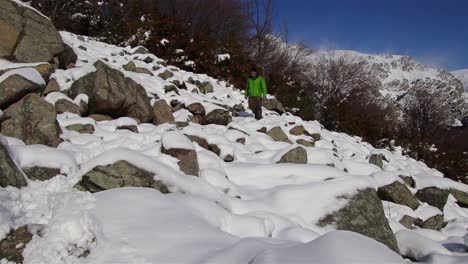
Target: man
[255, 91]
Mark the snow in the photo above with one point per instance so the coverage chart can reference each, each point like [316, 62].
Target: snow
[250, 210]
[30, 74]
[462, 75]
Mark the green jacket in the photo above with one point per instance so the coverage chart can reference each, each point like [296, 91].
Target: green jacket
[256, 87]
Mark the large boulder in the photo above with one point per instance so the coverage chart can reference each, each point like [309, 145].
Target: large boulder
[433, 196]
[14, 87]
[273, 105]
[205, 87]
[397, 192]
[118, 175]
[32, 120]
[162, 112]
[296, 155]
[218, 117]
[363, 214]
[10, 175]
[26, 35]
[110, 93]
[12, 246]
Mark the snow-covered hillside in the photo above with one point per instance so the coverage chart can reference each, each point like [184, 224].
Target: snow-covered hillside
[462, 75]
[268, 191]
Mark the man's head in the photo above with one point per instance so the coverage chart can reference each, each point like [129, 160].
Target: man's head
[253, 73]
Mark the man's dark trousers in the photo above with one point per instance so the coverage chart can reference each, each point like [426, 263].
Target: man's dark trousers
[255, 104]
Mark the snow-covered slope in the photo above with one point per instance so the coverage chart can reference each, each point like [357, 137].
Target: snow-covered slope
[246, 209]
[462, 75]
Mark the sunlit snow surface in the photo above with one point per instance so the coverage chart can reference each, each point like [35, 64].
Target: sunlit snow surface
[251, 210]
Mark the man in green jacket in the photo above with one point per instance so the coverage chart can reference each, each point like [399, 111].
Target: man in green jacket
[256, 91]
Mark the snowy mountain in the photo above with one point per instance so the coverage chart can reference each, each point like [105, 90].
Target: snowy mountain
[462, 75]
[113, 156]
[398, 75]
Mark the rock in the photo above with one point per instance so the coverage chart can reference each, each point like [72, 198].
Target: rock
[195, 91]
[200, 141]
[67, 58]
[134, 129]
[305, 143]
[273, 105]
[148, 59]
[410, 222]
[196, 108]
[81, 128]
[239, 107]
[98, 117]
[397, 192]
[433, 196]
[144, 71]
[171, 88]
[156, 68]
[166, 74]
[263, 130]
[45, 70]
[162, 63]
[296, 155]
[41, 173]
[32, 120]
[462, 197]
[277, 134]
[435, 222]
[241, 140]
[215, 149]
[196, 119]
[51, 87]
[205, 87]
[408, 181]
[162, 112]
[63, 105]
[140, 50]
[14, 87]
[10, 174]
[81, 47]
[110, 93]
[26, 35]
[181, 124]
[188, 160]
[297, 130]
[12, 246]
[316, 136]
[130, 66]
[118, 175]
[363, 214]
[376, 159]
[218, 117]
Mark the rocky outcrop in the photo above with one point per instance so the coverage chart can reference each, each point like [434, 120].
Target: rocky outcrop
[162, 112]
[273, 105]
[218, 117]
[26, 35]
[433, 196]
[10, 175]
[110, 93]
[32, 120]
[118, 175]
[296, 155]
[363, 214]
[40, 173]
[14, 87]
[12, 246]
[397, 192]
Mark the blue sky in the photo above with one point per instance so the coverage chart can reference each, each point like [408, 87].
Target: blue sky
[435, 32]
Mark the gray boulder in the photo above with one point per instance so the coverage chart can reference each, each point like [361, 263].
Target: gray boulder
[14, 87]
[205, 87]
[196, 108]
[363, 214]
[162, 112]
[278, 134]
[297, 130]
[410, 222]
[12, 246]
[435, 222]
[273, 105]
[296, 155]
[40, 173]
[130, 66]
[397, 192]
[462, 197]
[218, 117]
[10, 175]
[63, 105]
[26, 35]
[433, 196]
[376, 159]
[305, 143]
[32, 120]
[188, 159]
[110, 93]
[166, 74]
[118, 175]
